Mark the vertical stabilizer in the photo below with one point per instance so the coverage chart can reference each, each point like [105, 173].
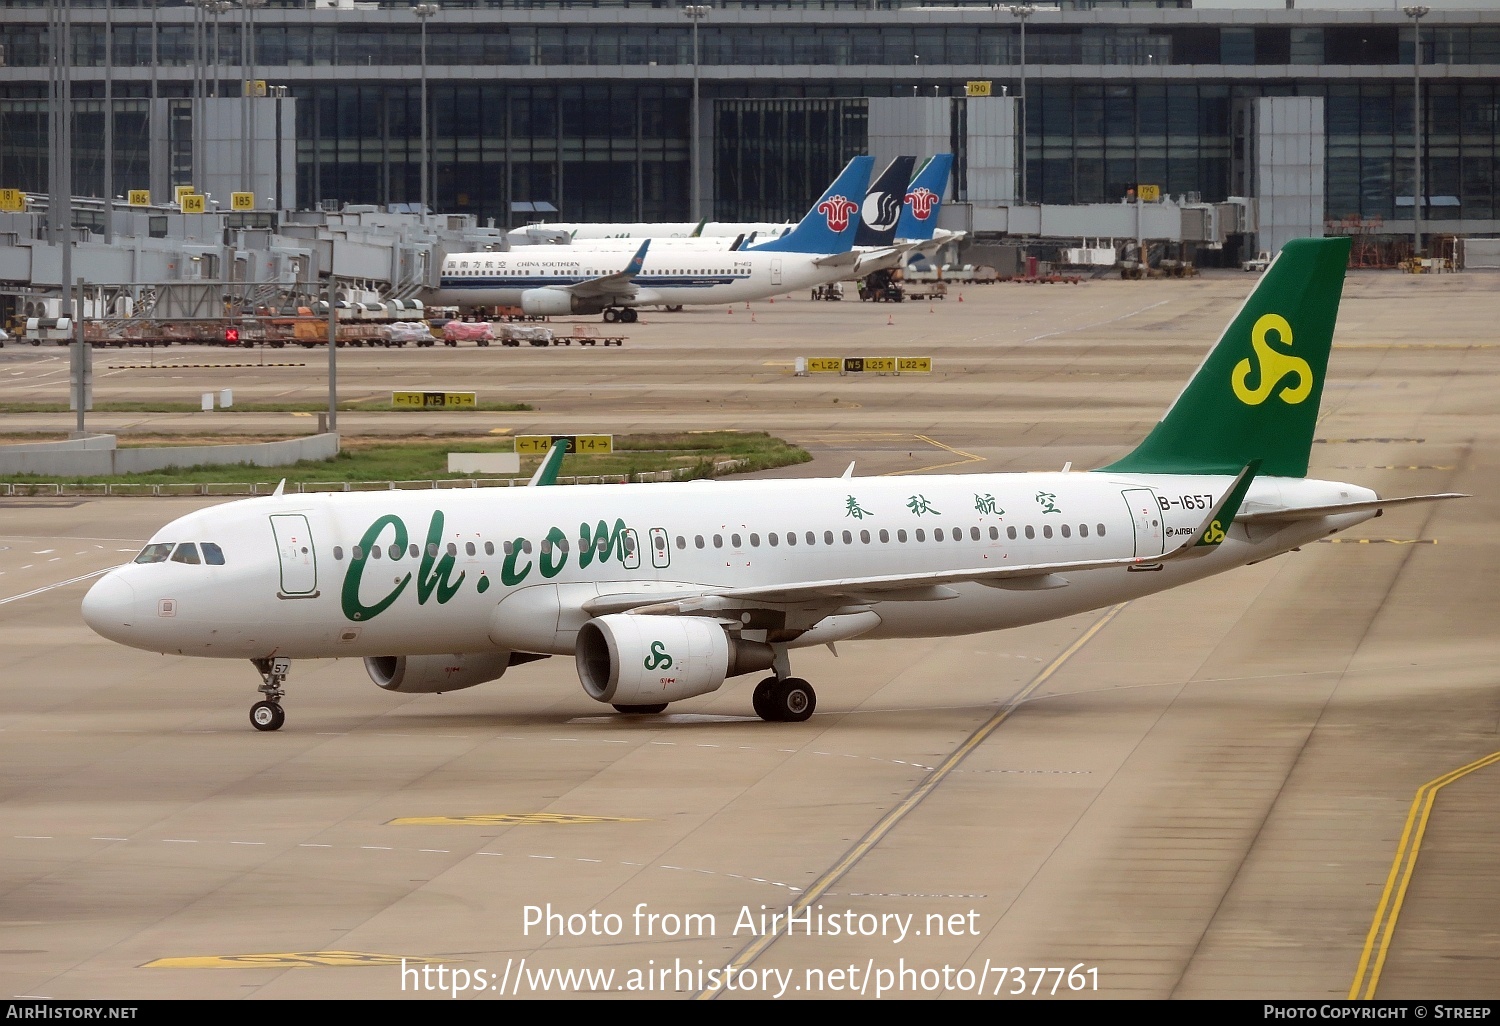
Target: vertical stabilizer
[1256, 394]
[830, 225]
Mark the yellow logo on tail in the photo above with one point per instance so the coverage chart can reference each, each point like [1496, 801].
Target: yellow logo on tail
[1274, 366]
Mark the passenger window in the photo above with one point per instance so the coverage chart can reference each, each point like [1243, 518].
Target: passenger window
[1083, 530]
[791, 537]
[974, 533]
[469, 548]
[432, 548]
[546, 546]
[773, 539]
[155, 553]
[994, 534]
[921, 535]
[356, 553]
[718, 541]
[1030, 531]
[1066, 531]
[375, 551]
[414, 552]
[1010, 532]
[864, 536]
[736, 539]
[848, 538]
[1046, 530]
[937, 534]
[885, 536]
[755, 541]
[698, 541]
[681, 542]
[661, 543]
[395, 551]
[901, 536]
[452, 549]
[489, 548]
[827, 537]
[811, 538]
[1100, 529]
[187, 552]
[212, 554]
[338, 553]
[507, 548]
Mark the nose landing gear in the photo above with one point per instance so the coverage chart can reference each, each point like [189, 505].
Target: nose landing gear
[268, 714]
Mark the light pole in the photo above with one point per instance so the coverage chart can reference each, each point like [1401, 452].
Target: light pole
[247, 75]
[423, 12]
[1022, 12]
[1416, 13]
[694, 13]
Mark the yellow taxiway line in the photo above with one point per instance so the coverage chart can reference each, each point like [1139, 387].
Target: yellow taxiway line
[1383, 926]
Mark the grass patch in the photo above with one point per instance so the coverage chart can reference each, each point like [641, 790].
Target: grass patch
[372, 459]
[163, 406]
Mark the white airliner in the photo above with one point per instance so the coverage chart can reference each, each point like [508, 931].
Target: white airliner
[552, 280]
[663, 591]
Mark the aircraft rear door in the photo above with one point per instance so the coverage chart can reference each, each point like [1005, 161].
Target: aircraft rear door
[1145, 511]
[661, 553]
[299, 561]
[776, 271]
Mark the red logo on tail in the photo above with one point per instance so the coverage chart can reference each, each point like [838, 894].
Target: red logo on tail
[921, 202]
[837, 210]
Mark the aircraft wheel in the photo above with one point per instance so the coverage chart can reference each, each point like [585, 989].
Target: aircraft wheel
[792, 700]
[644, 710]
[629, 316]
[611, 315]
[760, 700]
[267, 715]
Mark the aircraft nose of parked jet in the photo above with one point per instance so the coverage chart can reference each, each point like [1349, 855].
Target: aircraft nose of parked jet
[109, 607]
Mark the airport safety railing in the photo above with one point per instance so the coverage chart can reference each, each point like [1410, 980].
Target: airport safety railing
[30, 489]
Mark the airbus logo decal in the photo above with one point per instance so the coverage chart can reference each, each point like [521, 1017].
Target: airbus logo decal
[880, 211]
[921, 201]
[837, 210]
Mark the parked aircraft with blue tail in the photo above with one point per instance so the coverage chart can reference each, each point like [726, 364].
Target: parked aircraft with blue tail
[662, 592]
[561, 280]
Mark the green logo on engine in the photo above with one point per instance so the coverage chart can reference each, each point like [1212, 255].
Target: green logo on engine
[658, 659]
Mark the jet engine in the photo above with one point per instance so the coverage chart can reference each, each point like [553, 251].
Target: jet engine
[558, 303]
[435, 674]
[625, 659]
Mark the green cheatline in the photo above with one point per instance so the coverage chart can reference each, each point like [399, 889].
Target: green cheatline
[696, 454]
[357, 405]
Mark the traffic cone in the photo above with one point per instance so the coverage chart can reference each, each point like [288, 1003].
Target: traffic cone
[890, 318]
[729, 309]
[771, 300]
[752, 316]
[929, 308]
[960, 297]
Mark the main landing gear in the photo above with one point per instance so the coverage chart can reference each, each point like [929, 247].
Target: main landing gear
[784, 699]
[624, 315]
[268, 715]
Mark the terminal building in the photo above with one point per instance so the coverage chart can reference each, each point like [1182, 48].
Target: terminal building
[586, 106]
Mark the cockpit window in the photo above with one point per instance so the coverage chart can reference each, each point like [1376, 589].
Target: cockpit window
[212, 554]
[187, 552]
[156, 552]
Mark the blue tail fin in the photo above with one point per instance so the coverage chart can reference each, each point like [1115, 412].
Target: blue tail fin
[830, 225]
[919, 214]
[882, 207]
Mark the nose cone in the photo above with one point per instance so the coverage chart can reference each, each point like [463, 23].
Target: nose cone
[109, 607]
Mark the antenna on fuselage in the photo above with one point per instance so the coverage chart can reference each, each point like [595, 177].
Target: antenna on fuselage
[849, 470]
[280, 487]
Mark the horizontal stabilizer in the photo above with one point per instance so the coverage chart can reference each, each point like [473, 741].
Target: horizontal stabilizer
[1274, 516]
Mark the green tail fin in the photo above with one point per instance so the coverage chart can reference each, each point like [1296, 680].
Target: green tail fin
[1256, 395]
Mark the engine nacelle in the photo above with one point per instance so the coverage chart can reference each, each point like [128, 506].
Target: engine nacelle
[435, 674]
[558, 303]
[626, 659]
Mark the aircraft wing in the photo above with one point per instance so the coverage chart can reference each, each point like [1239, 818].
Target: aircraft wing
[621, 283]
[933, 585]
[1278, 516]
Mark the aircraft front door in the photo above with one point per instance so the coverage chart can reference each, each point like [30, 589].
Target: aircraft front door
[661, 553]
[1146, 514]
[299, 561]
